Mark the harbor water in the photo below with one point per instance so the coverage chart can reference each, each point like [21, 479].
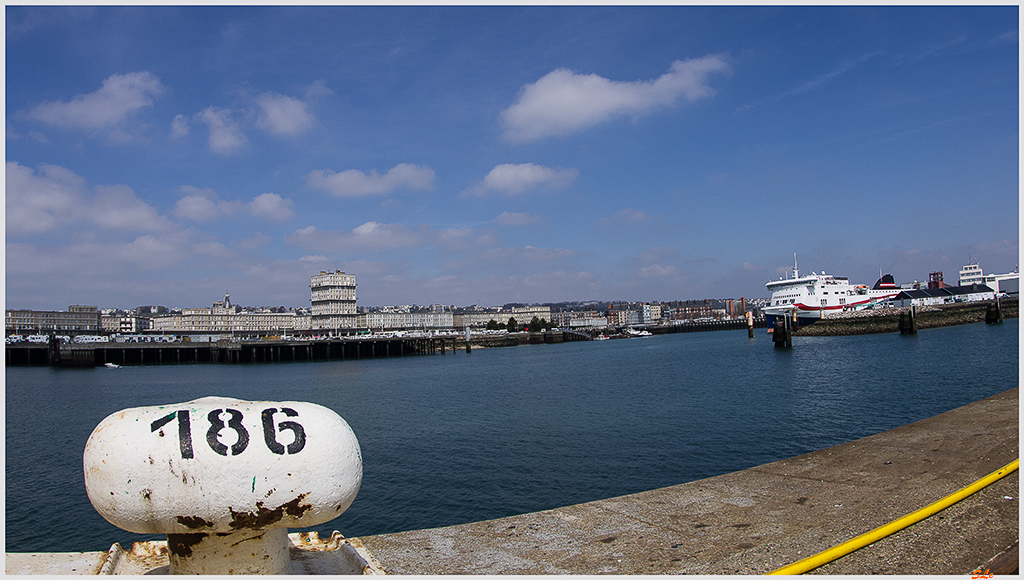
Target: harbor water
[455, 438]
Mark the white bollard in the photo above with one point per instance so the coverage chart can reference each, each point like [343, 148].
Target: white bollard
[223, 478]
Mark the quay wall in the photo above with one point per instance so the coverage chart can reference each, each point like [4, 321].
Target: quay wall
[887, 320]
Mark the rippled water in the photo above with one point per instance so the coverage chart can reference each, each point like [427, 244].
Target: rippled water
[448, 439]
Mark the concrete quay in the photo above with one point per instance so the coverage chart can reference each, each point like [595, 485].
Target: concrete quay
[760, 519]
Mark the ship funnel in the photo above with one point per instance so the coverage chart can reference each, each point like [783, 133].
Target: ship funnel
[886, 281]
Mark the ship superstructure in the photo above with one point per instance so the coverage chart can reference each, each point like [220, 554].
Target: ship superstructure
[818, 295]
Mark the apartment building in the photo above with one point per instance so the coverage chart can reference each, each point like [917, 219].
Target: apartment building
[406, 320]
[579, 319]
[76, 319]
[124, 323]
[209, 321]
[463, 320]
[333, 301]
[524, 314]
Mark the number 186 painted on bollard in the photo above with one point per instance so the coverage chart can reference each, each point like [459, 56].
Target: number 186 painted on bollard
[234, 423]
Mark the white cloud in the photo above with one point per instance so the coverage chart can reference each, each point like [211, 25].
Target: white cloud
[314, 259]
[355, 183]
[514, 179]
[116, 207]
[509, 218]
[38, 203]
[370, 236]
[271, 207]
[282, 115]
[384, 236]
[563, 102]
[212, 250]
[625, 217]
[374, 236]
[317, 90]
[657, 271]
[226, 137]
[196, 208]
[466, 238]
[117, 99]
[179, 126]
[203, 205]
[257, 241]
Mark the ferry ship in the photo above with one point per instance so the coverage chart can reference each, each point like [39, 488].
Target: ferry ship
[817, 295]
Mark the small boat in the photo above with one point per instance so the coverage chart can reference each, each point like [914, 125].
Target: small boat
[112, 366]
[816, 296]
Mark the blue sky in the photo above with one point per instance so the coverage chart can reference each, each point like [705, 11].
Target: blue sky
[485, 155]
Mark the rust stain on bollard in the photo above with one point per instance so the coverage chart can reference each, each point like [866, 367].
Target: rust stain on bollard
[194, 522]
[181, 544]
[263, 517]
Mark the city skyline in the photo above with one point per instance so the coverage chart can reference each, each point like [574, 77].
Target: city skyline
[494, 155]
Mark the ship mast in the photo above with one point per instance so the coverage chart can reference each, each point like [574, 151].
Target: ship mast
[796, 271]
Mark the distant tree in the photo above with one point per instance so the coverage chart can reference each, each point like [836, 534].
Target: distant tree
[544, 324]
[492, 324]
[535, 324]
[511, 324]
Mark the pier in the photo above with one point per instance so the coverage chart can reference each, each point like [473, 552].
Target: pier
[261, 351]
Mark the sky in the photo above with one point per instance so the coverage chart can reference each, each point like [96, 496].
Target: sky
[485, 155]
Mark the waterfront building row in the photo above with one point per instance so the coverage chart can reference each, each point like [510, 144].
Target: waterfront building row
[333, 311]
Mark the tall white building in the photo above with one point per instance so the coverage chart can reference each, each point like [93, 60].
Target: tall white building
[1000, 283]
[971, 274]
[333, 301]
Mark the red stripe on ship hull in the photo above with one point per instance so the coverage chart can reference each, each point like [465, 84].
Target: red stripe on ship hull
[807, 308]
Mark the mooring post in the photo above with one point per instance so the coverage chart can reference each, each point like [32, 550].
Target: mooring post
[994, 312]
[781, 334]
[223, 478]
[908, 321]
[468, 348]
[750, 325]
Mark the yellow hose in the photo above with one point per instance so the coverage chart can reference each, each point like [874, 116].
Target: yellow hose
[822, 558]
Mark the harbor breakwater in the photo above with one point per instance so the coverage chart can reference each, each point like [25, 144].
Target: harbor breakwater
[887, 319]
